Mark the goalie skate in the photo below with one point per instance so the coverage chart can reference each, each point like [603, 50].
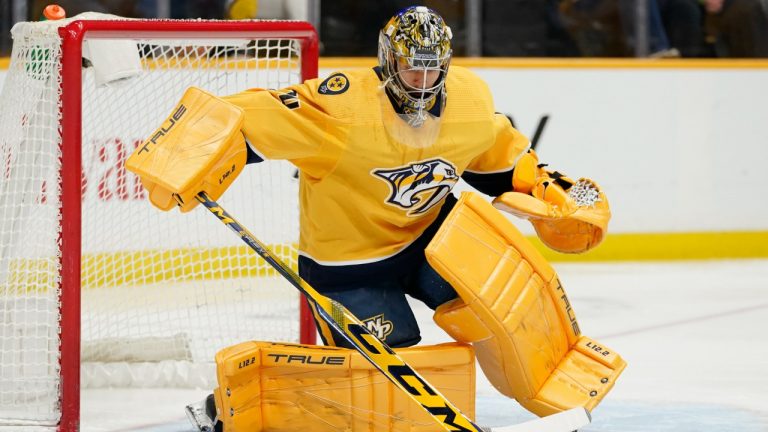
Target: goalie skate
[203, 416]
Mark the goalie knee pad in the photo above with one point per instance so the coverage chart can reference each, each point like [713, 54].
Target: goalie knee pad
[514, 311]
[273, 386]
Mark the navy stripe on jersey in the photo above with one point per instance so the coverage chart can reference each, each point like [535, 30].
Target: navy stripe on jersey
[493, 184]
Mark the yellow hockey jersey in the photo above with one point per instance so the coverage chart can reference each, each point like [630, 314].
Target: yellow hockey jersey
[366, 190]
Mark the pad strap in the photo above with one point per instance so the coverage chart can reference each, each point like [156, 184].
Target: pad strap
[515, 312]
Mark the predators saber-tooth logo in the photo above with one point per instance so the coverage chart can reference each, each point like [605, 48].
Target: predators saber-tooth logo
[420, 186]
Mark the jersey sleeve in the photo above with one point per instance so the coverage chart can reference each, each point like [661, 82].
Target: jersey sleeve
[491, 171]
[289, 124]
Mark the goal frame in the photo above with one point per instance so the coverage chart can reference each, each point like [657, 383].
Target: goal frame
[72, 36]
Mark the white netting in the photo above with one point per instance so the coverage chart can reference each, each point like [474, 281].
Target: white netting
[157, 288]
[29, 230]
[584, 193]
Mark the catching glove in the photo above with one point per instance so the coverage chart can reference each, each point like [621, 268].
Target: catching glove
[568, 216]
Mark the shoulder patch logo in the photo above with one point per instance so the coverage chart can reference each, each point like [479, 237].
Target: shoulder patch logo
[334, 84]
[419, 186]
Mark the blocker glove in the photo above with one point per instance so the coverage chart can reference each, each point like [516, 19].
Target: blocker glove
[199, 148]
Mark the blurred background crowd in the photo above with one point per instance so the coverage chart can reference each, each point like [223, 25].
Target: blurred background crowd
[507, 28]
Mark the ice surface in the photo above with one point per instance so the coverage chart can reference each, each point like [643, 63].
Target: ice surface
[693, 334]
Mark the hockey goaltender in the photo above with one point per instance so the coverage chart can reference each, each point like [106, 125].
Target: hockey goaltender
[379, 151]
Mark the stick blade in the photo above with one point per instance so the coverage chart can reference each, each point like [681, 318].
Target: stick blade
[566, 421]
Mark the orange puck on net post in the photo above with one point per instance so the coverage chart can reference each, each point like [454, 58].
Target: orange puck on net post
[54, 12]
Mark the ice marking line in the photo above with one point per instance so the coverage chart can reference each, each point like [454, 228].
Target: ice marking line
[683, 322]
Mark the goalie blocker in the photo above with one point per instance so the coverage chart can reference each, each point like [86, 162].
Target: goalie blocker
[202, 149]
[515, 312]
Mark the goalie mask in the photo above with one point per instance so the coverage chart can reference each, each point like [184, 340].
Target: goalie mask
[414, 53]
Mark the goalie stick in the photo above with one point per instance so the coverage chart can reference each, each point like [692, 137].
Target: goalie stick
[382, 356]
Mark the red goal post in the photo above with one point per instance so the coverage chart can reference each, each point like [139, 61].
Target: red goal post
[63, 159]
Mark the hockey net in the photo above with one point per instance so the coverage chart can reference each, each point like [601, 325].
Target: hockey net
[94, 282]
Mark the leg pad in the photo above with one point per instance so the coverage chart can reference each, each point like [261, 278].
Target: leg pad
[515, 312]
[271, 386]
